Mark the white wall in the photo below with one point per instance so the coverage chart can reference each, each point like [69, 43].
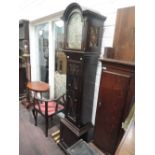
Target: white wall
[35, 9]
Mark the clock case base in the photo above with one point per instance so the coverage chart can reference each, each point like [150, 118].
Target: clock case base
[70, 134]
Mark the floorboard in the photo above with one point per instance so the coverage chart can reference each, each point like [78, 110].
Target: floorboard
[32, 140]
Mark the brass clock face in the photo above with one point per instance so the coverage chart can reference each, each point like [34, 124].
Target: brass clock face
[74, 31]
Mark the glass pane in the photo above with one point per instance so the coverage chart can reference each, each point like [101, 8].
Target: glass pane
[75, 31]
[42, 39]
[60, 59]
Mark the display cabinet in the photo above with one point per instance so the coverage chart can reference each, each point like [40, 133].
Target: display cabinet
[23, 45]
[83, 31]
[23, 35]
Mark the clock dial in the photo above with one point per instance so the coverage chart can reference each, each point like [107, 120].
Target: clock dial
[74, 37]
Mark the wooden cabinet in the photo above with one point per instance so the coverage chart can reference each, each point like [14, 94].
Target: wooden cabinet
[82, 45]
[23, 41]
[23, 35]
[116, 95]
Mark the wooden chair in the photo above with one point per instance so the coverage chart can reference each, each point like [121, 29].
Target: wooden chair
[47, 108]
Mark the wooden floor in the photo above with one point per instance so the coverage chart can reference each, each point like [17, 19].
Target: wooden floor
[127, 145]
[32, 140]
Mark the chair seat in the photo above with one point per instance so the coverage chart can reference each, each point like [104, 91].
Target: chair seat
[51, 107]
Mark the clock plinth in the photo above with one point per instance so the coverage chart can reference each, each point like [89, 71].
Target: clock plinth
[70, 133]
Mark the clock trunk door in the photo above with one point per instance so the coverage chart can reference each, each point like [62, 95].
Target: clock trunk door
[74, 83]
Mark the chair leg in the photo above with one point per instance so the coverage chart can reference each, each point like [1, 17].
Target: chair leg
[35, 115]
[36, 121]
[46, 126]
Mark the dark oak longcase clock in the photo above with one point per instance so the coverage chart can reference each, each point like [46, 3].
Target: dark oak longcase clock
[82, 46]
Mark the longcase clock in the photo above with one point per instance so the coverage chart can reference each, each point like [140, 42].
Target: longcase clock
[82, 46]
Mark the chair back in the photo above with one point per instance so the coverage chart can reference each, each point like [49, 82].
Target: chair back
[49, 106]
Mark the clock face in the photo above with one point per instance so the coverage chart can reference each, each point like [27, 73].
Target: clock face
[74, 33]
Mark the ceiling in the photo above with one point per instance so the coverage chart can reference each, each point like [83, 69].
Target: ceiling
[34, 9]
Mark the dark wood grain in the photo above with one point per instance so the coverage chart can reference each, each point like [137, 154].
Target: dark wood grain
[22, 80]
[116, 96]
[124, 38]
